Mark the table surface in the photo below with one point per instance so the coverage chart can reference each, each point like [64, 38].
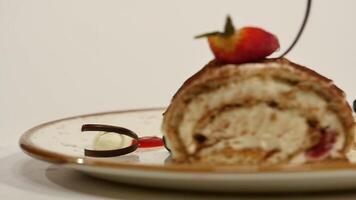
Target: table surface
[65, 58]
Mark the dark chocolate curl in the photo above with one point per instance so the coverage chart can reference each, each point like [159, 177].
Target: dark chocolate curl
[114, 129]
[301, 29]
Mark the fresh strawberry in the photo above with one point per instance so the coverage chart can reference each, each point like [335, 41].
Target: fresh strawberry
[247, 44]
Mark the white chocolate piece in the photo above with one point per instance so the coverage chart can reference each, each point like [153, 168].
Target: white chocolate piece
[110, 141]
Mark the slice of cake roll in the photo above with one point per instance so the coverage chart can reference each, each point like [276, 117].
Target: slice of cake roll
[263, 113]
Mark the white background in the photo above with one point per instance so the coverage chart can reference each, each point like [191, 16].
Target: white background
[69, 57]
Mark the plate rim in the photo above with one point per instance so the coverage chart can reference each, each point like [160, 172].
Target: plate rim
[57, 158]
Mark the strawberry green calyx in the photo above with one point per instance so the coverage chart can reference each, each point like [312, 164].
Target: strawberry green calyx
[228, 31]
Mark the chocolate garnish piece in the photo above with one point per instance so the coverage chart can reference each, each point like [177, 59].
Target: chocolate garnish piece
[114, 129]
[301, 29]
[354, 105]
[165, 144]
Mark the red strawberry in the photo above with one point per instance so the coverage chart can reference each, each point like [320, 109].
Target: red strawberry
[247, 44]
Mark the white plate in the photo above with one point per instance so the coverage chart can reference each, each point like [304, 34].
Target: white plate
[62, 142]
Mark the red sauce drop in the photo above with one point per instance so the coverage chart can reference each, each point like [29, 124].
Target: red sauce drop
[149, 142]
[324, 146]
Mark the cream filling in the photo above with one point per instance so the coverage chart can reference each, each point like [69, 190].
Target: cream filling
[254, 87]
[257, 88]
[258, 127]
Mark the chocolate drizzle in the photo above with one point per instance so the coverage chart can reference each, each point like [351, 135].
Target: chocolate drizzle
[114, 129]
